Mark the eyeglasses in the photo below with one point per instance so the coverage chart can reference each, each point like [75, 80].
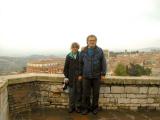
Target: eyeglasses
[75, 47]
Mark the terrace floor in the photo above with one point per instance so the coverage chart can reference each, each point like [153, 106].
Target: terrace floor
[61, 114]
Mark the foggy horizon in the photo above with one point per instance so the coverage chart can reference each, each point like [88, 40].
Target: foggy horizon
[49, 27]
[61, 53]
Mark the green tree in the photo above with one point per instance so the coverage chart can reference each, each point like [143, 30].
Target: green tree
[138, 70]
[148, 71]
[121, 70]
[132, 70]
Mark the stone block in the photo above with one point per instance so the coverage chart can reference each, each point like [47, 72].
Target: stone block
[131, 89]
[143, 90]
[153, 90]
[124, 100]
[117, 89]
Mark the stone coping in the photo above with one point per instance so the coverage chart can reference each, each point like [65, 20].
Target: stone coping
[58, 78]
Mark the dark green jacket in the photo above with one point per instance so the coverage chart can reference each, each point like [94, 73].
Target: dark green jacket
[71, 68]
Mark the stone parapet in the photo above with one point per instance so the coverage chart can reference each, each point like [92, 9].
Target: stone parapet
[27, 91]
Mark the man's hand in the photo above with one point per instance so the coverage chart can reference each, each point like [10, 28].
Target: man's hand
[79, 77]
[102, 77]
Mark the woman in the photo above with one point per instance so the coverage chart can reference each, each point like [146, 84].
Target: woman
[71, 71]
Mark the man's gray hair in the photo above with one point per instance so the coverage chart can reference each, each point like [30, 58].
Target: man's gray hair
[91, 36]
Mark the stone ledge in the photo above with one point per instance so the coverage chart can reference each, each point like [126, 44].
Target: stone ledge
[3, 84]
[119, 80]
[110, 80]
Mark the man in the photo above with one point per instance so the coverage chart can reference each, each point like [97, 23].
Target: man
[92, 70]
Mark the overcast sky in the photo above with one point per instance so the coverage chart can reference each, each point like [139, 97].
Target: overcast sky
[45, 26]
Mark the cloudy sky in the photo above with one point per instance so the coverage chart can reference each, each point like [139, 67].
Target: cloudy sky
[49, 26]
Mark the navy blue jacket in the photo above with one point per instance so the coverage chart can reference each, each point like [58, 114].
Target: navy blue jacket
[92, 66]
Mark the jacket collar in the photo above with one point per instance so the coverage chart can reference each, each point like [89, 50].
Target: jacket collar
[86, 48]
[71, 55]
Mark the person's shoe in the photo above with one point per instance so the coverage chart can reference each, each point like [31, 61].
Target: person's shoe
[90, 109]
[85, 112]
[70, 110]
[95, 111]
[78, 110]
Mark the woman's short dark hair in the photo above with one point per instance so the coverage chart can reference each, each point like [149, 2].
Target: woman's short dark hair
[75, 44]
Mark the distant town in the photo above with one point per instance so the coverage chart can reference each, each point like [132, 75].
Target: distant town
[54, 65]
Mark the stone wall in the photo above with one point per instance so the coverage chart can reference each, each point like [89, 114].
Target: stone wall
[130, 96]
[22, 97]
[51, 95]
[38, 92]
[29, 91]
[3, 100]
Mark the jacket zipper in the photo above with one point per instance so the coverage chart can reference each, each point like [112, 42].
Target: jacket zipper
[91, 65]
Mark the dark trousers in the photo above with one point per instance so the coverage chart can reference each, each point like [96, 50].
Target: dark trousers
[90, 85]
[75, 94]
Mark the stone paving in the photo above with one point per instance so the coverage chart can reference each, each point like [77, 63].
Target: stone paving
[61, 114]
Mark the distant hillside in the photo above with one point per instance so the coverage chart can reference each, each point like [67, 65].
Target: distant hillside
[150, 49]
[17, 64]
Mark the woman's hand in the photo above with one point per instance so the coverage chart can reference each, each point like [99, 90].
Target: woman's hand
[66, 80]
[79, 77]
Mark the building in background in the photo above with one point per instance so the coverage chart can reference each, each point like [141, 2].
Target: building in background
[51, 66]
